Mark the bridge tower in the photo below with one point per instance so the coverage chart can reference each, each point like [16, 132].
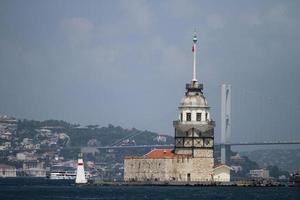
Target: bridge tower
[225, 122]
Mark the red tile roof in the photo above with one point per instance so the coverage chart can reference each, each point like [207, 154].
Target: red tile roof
[160, 153]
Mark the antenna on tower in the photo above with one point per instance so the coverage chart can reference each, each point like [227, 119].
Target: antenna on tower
[194, 55]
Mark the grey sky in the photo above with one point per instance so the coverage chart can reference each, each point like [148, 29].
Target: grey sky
[127, 62]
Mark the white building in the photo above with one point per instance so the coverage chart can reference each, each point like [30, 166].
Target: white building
[259, 173]
[222, 173]
[7, 171]
[21, 156]
[237, 168]
[5, 146]
[34, 168]
[160, 138]
[26, 156]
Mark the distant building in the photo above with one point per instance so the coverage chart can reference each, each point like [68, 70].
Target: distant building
[259, 173]
[160, 138]
[21, 156]
[34, 168]
[237, 157]
[236, 168]
[6, 135]
[26, 156]
[5, 146]
[35, 172]
[8, 121]
[92, 142]
[7, 171]
[91, 150]
[8, 126]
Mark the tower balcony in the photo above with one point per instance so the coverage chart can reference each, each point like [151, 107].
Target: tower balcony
[194, 86]
[196, 123]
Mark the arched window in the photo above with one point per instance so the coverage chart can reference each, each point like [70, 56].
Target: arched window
[188, 116]
[198, 117]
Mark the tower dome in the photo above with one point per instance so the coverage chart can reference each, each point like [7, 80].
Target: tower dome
[198, 101]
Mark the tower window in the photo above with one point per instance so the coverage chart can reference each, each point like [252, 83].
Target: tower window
[188, 117]
[206, 116]
[180, 116]
[199, 116]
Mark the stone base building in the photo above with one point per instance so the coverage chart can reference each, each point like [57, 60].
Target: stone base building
[165, 165]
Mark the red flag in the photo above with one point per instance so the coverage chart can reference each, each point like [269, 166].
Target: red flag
[193, 49]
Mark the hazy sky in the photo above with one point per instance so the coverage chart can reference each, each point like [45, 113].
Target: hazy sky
[127, 62]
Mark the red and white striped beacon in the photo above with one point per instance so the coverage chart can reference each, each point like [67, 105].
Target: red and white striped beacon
[80, 175]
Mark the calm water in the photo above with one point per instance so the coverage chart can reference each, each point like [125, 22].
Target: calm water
[47, 189]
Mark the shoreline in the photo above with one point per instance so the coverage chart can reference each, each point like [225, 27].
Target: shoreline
[98, 182]
[194, 184]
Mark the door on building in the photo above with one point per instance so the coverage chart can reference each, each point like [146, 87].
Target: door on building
[188, 177]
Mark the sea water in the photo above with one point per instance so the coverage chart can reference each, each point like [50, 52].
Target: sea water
[34, 188]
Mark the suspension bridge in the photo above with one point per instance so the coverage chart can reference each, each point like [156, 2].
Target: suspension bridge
[257, 120]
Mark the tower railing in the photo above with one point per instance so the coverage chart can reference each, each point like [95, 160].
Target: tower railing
[194, 86]
[177, 122]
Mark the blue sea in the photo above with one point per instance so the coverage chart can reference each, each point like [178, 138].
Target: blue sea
[30, 188]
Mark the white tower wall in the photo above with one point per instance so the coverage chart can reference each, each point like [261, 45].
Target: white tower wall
[80, 175]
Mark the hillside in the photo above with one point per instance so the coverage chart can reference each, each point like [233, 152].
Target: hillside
[286, 159]
[91, 135]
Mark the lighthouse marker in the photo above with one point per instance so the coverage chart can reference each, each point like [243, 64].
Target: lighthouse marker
[80, 175]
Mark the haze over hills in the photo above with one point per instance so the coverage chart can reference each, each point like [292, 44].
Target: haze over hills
[287, 159]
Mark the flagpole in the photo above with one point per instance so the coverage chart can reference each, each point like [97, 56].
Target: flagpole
[194, 54]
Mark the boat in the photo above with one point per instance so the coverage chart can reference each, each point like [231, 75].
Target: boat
[63, 175]
[66, 175]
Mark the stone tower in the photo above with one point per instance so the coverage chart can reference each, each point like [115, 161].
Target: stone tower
[192, 158]
[194, 130]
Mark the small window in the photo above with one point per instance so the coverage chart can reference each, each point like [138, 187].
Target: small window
[206, 116]
[188, 117]
[199, 117]
[180, 116]
[188, 177]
